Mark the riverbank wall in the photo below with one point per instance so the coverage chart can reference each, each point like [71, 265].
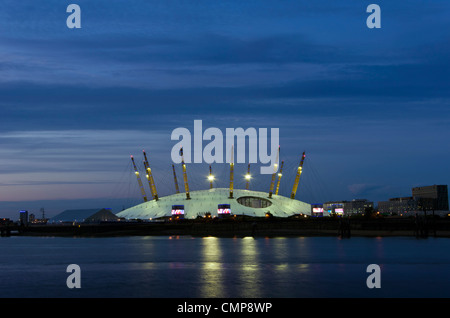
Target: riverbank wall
[262, 227]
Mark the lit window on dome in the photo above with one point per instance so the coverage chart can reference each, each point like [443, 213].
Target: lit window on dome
[254, 202]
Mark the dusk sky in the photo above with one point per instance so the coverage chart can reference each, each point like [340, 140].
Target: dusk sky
[371, 107]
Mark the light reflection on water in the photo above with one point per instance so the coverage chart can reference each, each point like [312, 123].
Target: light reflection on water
[249, 272]
[212, 269]
[224, 267]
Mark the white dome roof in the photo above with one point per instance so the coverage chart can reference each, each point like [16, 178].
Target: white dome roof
[204, 201]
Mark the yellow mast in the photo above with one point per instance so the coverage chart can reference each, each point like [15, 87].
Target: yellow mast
[210, 178]
[177, 189]
[136, 172]
[186, 185]
[231, 173]
[275, 168]
[149, 176]
[247, 177]
[279, 178]
[297, 177]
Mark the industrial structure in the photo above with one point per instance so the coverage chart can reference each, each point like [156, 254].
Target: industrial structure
[217, 202]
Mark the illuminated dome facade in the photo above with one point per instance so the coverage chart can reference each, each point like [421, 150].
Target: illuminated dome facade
[217, 202]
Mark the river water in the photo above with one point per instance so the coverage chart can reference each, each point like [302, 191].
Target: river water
[164, 266]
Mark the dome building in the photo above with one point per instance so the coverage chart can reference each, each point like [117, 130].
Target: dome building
[216, 202]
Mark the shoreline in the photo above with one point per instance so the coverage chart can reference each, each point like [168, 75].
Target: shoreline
[345, 228]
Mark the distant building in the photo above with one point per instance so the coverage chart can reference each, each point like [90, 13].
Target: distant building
[334, 207]
[398, 206]
[23, 217]
[429, 198]
[84, 216]
[356, 206]
[5, 221]
[433, 197]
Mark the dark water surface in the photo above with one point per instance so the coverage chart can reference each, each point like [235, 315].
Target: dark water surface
[224, 267]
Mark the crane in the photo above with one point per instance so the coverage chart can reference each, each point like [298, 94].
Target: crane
[279, 178]
[186, 185]
[136, 172]
[297, 177]
[149, 176]
[177, 189]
